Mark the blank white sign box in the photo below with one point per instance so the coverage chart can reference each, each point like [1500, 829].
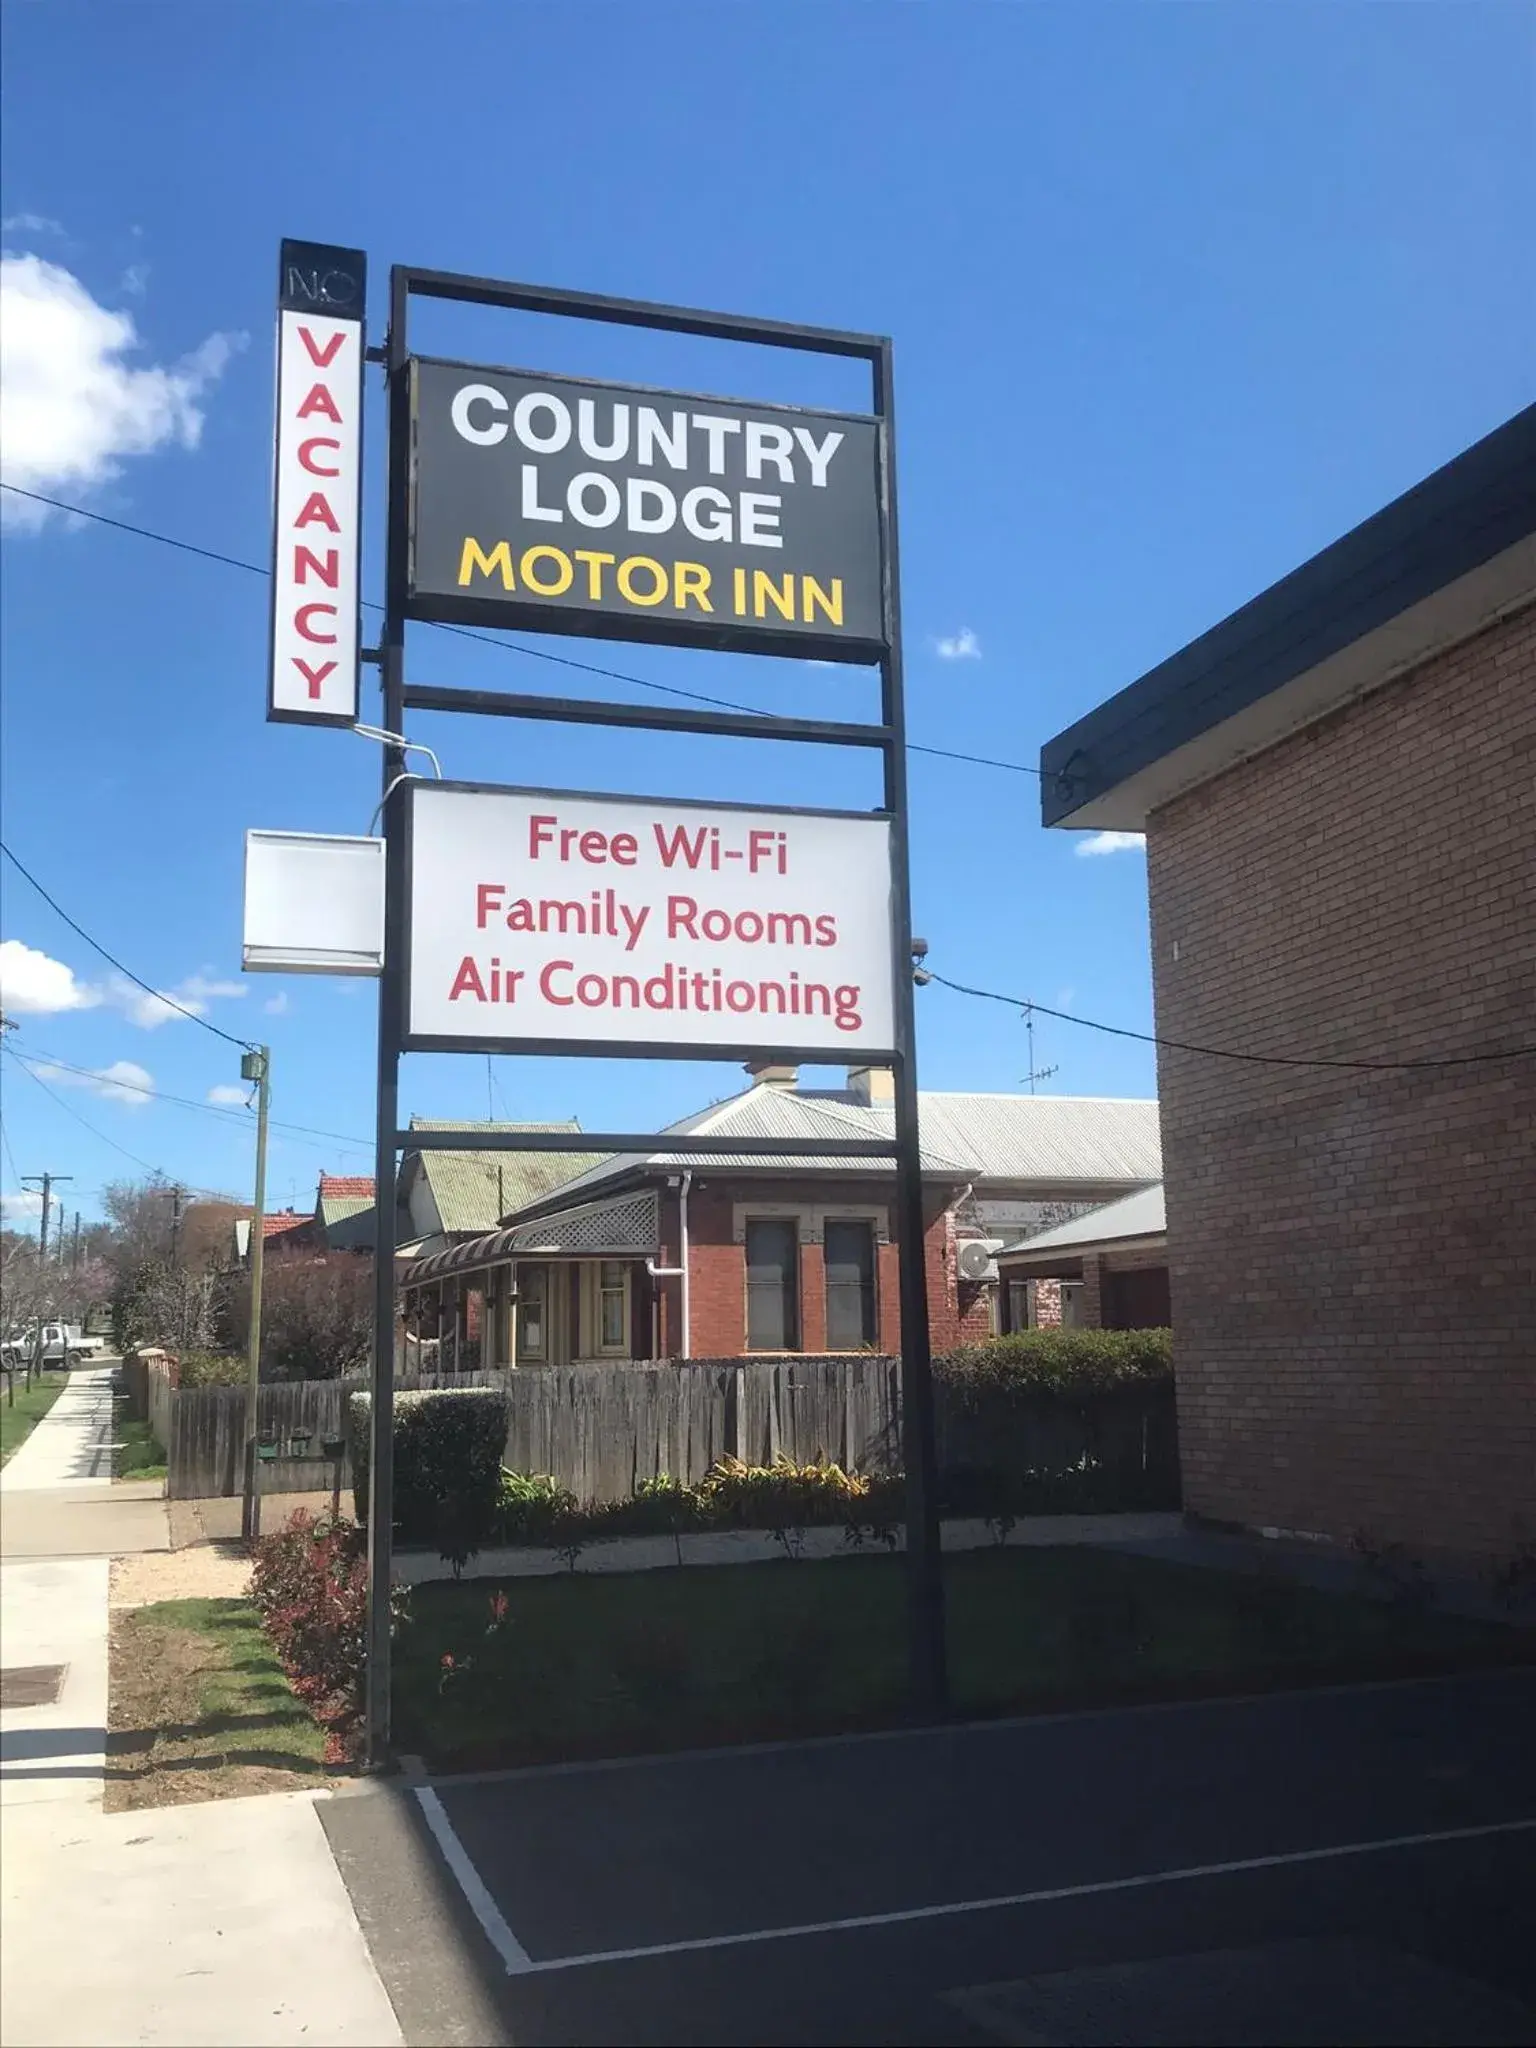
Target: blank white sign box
[314, 904]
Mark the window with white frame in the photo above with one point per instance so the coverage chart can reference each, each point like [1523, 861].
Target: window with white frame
[532, 1314]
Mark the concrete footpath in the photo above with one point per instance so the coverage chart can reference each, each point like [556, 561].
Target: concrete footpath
[224, 1921]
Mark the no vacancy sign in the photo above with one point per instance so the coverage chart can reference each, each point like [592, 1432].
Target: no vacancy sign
[595, 923]
[317, 511]
[543, 502]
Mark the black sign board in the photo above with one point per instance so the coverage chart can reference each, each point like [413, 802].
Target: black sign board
[579, 507]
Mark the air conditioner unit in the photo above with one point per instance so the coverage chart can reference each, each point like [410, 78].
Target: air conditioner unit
[974, 1260]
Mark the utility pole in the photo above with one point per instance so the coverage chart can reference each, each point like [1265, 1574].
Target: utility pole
[177, 1191]
[255, 1066]
[75, 1253]
[47, 1182]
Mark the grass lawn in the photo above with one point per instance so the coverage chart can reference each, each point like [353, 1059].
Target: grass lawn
[601, 1664]
[18, 1419]
[139, 1453]
[199, 1708]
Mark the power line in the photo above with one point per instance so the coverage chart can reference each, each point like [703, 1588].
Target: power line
[111, 959]
[212, 1194]
[70, 1110]
[502, 646]
[185, 1101]
[1219, 1052]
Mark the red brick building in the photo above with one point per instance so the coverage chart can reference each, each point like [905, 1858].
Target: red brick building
[1338, 789]
[678, 1255]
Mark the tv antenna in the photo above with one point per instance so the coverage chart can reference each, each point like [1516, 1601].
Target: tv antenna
[1035, 1073]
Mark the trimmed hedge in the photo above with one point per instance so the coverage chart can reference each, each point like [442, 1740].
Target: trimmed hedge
[1064, 1362]
[448, 1447]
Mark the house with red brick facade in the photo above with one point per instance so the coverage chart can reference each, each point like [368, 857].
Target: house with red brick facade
[1338, 791]
[674, 1254]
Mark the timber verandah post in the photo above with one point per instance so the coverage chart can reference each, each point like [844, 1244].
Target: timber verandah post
[925, 1582]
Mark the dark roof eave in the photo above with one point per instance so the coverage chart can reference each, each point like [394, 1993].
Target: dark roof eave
[1446, 558]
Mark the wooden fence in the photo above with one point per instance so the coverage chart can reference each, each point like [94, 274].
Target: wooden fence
[204, 1432]
[602, 1429]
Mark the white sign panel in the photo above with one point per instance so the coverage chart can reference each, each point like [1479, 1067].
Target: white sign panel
[626, 922]
[314, 904]
[318, 513]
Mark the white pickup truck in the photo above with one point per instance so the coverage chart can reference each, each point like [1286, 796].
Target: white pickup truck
[63, 1344]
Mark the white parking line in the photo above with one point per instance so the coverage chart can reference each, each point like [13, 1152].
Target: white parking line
[520, 1964]
[485, 1909]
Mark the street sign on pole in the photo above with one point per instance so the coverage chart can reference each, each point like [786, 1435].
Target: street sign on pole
[557, 921]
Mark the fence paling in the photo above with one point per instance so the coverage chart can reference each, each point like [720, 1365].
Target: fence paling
[602, 1429]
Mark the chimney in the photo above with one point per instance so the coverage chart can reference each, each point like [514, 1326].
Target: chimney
[873, 1086]
[767, 1074]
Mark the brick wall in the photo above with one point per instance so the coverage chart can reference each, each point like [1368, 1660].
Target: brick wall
[957, 1312]
[1353, 1256]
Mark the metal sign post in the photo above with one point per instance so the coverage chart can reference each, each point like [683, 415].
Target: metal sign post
[561, 505]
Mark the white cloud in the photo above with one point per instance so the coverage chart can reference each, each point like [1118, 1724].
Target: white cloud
[226, 1094]
[1111, 842]
[34, 985]
[134, 280]
[71, 406]
[278, 1005]
[123, 1081]
[24, 1206]
[150, 1011]
[961, 646]
[29, 224]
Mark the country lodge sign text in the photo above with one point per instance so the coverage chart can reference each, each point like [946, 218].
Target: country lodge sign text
[598, 509]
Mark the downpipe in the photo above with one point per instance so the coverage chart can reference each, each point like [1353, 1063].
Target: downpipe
[679, 1272]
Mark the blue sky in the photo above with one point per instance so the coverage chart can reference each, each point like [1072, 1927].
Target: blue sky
[1179, 294]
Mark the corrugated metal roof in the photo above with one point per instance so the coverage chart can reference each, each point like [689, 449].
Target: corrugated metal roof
[474, 1190]
[1140, 1215]
[336, 1208]
[1045, 1138]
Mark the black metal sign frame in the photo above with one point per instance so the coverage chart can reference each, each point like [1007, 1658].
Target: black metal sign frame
[926, 1611]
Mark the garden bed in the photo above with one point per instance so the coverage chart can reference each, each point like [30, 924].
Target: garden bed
[535, 1669]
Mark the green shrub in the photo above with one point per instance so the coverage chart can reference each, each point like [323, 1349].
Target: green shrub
[657, 1507]
[1064, 1362]
[211, 1369]
[309, 1583]
[533, 1508]
[782, 1495]
[448, 1446]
